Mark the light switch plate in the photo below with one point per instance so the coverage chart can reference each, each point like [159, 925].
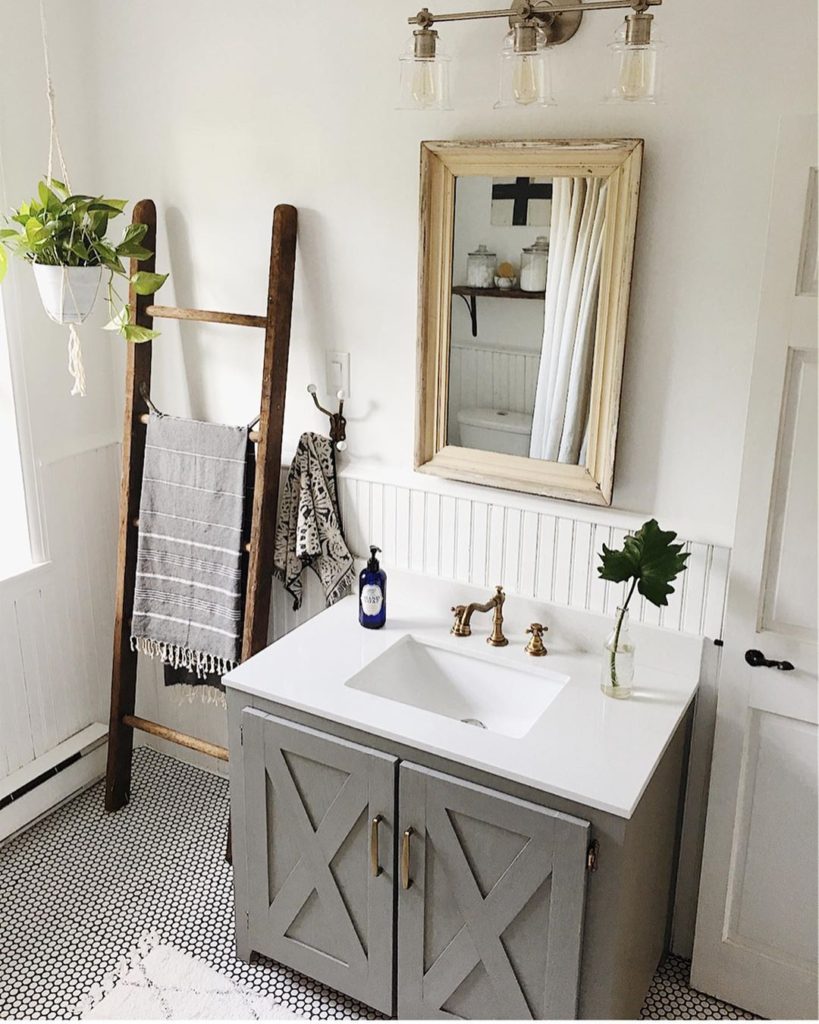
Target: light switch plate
[337, 369]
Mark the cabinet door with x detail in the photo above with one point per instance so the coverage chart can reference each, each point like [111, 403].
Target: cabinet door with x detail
[320, 846]
[490, 911]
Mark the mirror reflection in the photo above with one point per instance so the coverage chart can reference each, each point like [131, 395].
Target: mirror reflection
[526, 262]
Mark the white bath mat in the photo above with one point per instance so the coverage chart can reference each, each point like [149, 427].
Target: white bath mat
[157, 981]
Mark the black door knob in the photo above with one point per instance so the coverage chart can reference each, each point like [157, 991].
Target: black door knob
[756, 659]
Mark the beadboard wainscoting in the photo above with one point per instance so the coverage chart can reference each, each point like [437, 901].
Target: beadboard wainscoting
[548, 557]
[56, 620]
[481, 377]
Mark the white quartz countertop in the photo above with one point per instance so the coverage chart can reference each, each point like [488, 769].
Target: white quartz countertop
[585, 747]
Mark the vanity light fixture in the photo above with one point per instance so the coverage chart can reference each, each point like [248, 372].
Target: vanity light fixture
[534, 27]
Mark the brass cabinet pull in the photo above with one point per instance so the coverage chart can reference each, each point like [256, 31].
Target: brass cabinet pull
[375, 867]
[405, 860]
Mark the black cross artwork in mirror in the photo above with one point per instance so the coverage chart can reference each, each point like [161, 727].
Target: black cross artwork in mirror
[520, 193]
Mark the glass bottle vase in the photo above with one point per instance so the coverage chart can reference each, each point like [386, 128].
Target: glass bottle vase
[617, 668]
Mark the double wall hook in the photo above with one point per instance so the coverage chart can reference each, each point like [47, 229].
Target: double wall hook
[146, 398]
[338, 425]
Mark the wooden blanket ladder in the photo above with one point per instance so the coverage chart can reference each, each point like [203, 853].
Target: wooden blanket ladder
[268, 438]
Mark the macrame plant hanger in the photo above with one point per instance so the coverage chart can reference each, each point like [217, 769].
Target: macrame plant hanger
[75, 363]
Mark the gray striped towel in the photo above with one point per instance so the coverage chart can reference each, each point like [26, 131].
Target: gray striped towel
[188, 596]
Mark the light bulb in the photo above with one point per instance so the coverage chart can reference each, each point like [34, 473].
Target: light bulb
[424, 91]
[637, 69]
[524, 80]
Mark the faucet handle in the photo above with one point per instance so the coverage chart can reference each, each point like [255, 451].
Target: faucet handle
[535, 646]
[459, 627]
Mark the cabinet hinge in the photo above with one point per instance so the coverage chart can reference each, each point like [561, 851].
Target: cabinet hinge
[592, 855]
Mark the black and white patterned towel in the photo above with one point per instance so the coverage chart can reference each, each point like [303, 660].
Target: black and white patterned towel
[188, 596]
[309, 528]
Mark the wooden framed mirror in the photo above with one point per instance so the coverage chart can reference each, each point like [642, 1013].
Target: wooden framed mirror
[521, 349]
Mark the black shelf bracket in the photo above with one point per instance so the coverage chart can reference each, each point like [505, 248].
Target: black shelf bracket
[472, 305]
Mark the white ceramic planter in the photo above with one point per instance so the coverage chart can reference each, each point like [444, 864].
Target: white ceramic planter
[68, 293]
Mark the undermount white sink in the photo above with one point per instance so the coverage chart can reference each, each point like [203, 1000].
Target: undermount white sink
[479, 690]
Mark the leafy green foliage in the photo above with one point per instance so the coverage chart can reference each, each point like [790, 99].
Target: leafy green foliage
[649, 558]
[62, 230]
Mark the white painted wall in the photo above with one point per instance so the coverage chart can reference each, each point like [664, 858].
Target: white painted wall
[56, 621]
[218, 112]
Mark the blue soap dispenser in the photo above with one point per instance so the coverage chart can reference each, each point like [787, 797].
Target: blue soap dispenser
[372, 593]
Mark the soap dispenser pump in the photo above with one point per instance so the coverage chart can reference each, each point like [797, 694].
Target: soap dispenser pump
[372, 593]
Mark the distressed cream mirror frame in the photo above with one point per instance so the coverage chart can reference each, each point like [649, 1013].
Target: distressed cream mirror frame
[619, 161]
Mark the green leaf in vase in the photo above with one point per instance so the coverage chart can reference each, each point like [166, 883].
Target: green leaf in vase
[650, 558]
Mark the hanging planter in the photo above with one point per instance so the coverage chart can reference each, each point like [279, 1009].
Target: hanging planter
[68, 294]
[65, 238]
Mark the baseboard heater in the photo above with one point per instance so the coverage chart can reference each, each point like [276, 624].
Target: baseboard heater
[19, 794]
[38, 780]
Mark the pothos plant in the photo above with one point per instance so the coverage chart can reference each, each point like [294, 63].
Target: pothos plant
[64, 230]
[651, 561]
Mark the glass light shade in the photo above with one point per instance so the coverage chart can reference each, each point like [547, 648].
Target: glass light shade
[424, 82]
[635, 70]
[524, 78]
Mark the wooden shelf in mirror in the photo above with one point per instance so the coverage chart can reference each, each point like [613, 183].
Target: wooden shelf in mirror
[470, 294]
[496, 293]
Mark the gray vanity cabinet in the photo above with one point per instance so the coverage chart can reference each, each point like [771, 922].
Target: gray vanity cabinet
[489, 889]
[491, 902]
[319, 864]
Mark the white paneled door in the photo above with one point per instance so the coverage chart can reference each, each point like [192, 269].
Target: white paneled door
[756, 937]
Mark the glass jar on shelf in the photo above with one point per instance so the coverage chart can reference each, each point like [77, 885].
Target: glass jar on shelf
[480, 268]
[534, 262]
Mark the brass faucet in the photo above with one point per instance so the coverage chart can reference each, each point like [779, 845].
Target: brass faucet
[463, 614]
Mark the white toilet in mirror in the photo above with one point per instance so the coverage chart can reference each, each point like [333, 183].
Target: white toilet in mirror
[495, 430]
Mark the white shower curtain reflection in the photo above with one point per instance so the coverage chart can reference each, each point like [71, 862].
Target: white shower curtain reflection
[561, 410]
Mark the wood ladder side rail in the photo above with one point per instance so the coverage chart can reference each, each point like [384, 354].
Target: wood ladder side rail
[281, 280]
[276, 325]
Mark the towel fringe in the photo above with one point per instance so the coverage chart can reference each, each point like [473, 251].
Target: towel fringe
[200, 662]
